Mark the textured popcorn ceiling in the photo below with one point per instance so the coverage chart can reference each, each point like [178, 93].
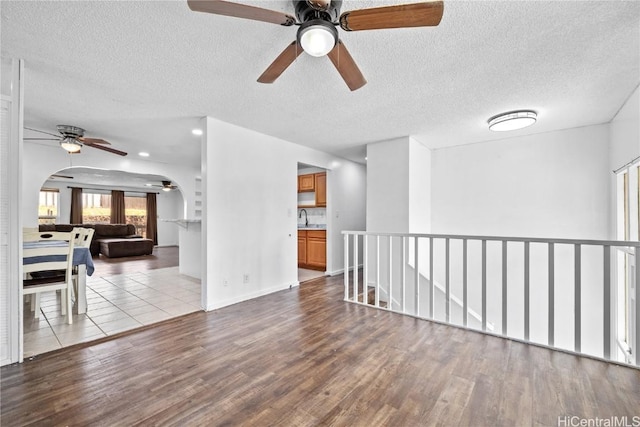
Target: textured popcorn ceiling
[141, 74]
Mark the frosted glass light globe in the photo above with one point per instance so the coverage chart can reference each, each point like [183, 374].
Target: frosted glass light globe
[317, 40]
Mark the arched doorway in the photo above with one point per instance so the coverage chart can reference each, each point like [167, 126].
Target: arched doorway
[124, 292]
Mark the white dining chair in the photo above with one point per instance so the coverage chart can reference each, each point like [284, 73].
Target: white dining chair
[49, 268]
[83, 238]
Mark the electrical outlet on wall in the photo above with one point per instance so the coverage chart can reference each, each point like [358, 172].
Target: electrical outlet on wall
[245, 278]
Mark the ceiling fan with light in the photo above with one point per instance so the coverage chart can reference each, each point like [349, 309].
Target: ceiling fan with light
[72, 139]
[317, 34]
[166, 186]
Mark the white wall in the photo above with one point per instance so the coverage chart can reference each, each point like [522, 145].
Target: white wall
[11, 125]
[40, 161]
[398, 186]
[553, 184]
[346, 204]
[250, 220]
[419, 187]
[625, 132]
[388, 186]
[170, 206]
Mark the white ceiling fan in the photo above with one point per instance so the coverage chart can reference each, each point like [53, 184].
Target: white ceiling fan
[166, 186]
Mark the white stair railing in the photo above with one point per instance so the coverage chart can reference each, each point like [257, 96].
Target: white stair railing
[404, 272]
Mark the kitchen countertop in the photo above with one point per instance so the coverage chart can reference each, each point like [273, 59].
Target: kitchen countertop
[312, 227]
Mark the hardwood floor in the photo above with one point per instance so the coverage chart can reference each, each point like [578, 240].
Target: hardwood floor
[305, 357]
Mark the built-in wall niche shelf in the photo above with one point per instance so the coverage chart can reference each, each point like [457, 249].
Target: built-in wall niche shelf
[184, 223]
[198, 198]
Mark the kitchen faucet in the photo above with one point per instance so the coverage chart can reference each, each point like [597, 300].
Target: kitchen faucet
[306, 218]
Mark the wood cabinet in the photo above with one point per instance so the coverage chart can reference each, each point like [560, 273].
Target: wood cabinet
[321, 189]
[302, 247]
[312, 249]
[317, 249]
[313, 183]
[306, 183]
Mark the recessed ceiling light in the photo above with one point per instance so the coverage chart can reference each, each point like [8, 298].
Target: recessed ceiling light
[197, 132]
[143, 154]
[512, 120]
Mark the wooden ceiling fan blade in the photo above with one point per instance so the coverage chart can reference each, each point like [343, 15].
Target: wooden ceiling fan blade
[91, 141]
[41, 131]
[226, 8]
[425, 14]
[347, 67]
[109, 149]
[282, 62]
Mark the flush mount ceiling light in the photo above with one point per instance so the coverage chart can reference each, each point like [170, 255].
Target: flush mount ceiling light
[143, 154]
[512, 121]
[317, 37]
[70, 144]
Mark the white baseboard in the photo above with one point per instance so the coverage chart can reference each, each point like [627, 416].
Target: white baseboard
[340, 271]
[251, 295]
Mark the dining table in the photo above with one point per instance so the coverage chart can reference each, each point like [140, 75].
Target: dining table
[81, 258]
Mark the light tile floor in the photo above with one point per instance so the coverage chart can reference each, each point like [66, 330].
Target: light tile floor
[114, 304]
[306, 274]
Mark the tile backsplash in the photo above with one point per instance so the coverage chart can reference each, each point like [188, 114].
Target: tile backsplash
[315, 215]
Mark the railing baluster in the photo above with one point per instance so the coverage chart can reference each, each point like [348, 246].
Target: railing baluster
[577, 298]
[631, 249]
[346, 267]
[390, 302]
[484, 285]
[606, 301]
[365, 265]
[527, 279]
[551, 297]
[465, 307]
[431, 278]
[356, 284]
[636, 301]
[404, 273]
[504, 287]
[417, 276]
[377, 271]
[447, 285]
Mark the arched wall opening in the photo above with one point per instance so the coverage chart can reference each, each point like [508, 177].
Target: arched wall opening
[54, 201]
